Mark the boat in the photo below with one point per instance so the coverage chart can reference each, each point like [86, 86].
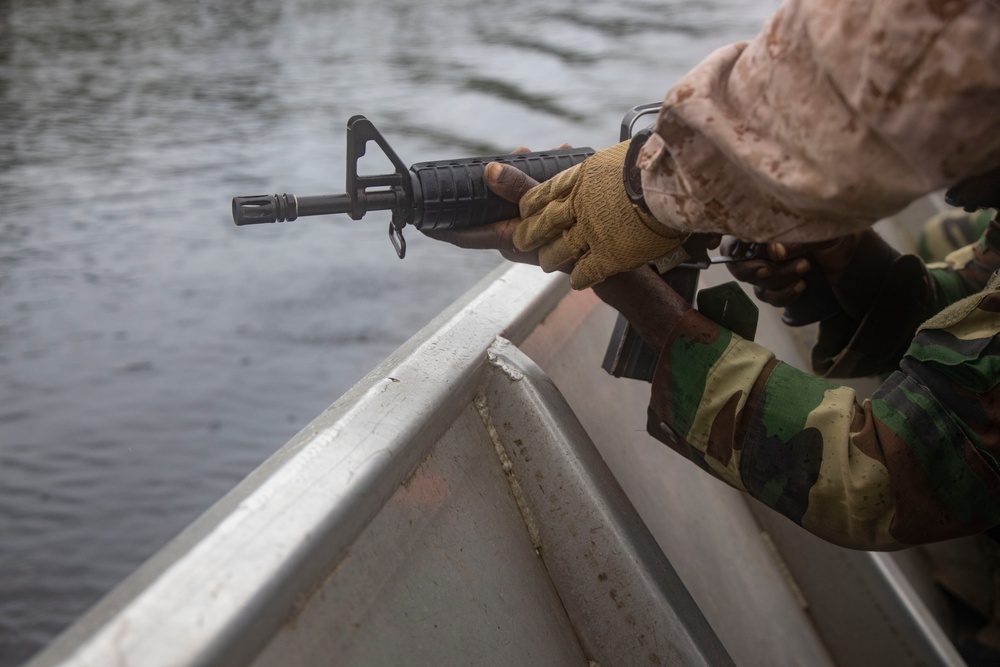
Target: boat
[488, 495]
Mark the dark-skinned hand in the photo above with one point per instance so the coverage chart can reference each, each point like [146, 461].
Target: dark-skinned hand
[778, 278]
[648, 303]
[510, 184]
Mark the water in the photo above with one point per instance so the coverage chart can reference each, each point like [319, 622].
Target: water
[151, 353]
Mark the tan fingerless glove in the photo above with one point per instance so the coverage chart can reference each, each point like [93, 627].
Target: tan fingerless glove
[584, 218]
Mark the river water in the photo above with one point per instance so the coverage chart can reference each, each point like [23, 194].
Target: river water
[151, 353]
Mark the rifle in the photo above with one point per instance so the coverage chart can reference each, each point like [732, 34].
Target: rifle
[451, 194]
[446, 194]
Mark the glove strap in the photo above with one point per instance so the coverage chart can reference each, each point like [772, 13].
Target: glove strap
[631, 174]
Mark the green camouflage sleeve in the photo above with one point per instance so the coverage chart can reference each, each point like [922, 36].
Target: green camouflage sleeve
[966, 270]
[908, 293]
[916, 463]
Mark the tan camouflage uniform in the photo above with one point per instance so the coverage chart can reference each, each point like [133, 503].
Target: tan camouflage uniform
[839, 113]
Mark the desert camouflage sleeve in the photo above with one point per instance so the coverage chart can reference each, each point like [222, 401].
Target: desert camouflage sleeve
[836, 115]
[916, 463]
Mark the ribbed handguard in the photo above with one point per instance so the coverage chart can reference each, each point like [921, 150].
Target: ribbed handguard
[452, 195]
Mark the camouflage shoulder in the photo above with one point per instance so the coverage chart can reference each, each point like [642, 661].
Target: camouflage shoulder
[961, 310]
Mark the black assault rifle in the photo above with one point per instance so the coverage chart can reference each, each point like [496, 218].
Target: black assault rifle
[451, 194]
[446, 194]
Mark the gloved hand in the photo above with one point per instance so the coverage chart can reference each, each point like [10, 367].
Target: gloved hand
[584, 218]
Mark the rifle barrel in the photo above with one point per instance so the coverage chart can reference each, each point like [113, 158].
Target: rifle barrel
[259, 209]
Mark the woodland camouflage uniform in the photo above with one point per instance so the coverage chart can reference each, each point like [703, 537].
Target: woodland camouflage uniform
[917, 462]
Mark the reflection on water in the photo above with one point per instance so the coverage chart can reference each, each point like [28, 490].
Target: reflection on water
[151, 354]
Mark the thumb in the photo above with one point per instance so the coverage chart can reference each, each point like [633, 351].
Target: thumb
[509, 183]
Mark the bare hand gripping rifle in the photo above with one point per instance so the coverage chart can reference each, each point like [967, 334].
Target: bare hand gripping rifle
[451, 194]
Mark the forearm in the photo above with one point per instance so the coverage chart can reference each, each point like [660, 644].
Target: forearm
[910, 466]
[835, 116]
[650, 306]
[765, 428]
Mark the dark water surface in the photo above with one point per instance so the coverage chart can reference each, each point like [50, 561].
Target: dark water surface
[151, 353]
